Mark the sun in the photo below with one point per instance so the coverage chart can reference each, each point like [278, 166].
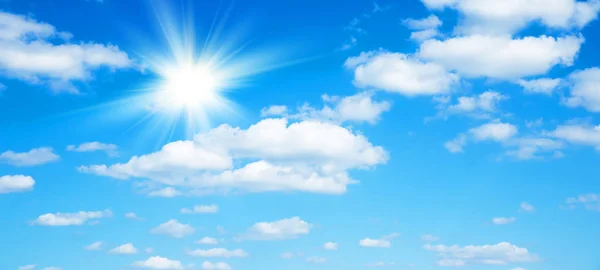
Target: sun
[189, 86]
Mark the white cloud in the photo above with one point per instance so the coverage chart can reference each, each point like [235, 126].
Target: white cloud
[383, 242]
[168, 192]
[33, 52]
[496, 131]
[206, 265]
[500, 57]
[510, 16]
[157, 262]
[27, 267]
[16, 183]
[424, 35]
[94, 246]
[110, 149]
[274, 110]
[578, 134]
[208, 241]
[174, 229]
[201, 209]
[544, 86]
[503, 220]
[584, 89]
[479, 106]
[309, 156]
[526, 207]
[52, 268]
[132, 215]
[36, 156]
[589, 201]
[356, 108]
[501, 253]
[456, 145]
[330, 246]
[426, 23]
[430, 238]
[400, 73]
[288, 228]
[426, 27]
[124, 249]
[534, 148]
[315, 259]
[71, 219]
[218, 252]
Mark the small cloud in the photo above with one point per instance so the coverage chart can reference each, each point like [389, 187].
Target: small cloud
[201, 209]
[330, 246]
[526, 207]
[124, 249]
[287, 255]
[132, 215]
[503, 220]
[109, 149]
[208, 241]
[27, 267]
[158, 262]
[174, 229]
[218, 252]
[33, 157]
[94, 246]
[288, 228]
[383, 242]
[70, 219]
[16, 183]
[167, 192]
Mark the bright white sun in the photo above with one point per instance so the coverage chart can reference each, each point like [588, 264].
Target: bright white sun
[189, 86]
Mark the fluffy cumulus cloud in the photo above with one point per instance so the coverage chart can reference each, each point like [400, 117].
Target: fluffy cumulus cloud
[36, 52]
[330, 246]
[208, 241]
[499, 254]
[545, 86]
[160, 263]
[33, 157]
[174, 229]
[124, 249]
[71, 219]
[584, 92]
[510, 16]
[589, 201]
[579, 134]
[206, 265]
[288, 228]
[110, 149]
[272, 155]
[501, 57]
[358, 108]
[383, 242]
[201, 209]
[497, 131]
[16, 183]
[218, 252]
[400, 73]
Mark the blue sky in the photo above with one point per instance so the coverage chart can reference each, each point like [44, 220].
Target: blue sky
[421, 134]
